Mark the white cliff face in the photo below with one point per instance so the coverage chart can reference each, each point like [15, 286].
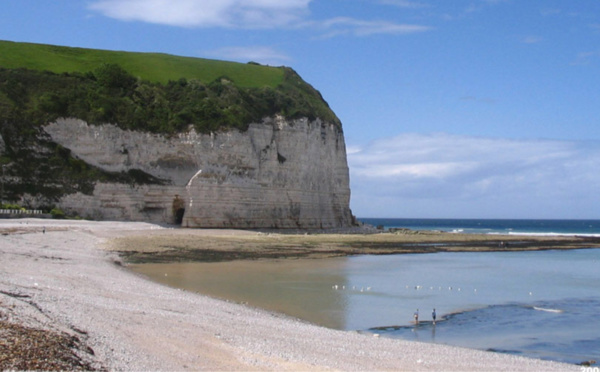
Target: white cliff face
[279, 173]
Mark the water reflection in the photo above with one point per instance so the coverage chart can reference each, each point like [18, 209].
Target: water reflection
[300, 288]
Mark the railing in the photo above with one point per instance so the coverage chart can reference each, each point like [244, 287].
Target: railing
[21, 211]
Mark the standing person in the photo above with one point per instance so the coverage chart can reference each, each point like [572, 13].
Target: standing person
[433, 315]
[416, 316]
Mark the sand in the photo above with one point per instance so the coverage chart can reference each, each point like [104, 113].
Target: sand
[67, 280]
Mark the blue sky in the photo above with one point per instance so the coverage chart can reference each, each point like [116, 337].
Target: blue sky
[462, 108]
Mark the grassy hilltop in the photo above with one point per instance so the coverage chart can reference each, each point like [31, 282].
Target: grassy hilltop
[147, 92]
[155, 67]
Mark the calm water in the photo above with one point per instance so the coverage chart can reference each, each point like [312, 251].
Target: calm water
[539, 304]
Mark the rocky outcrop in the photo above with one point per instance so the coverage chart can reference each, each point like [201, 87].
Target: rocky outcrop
[277, 174]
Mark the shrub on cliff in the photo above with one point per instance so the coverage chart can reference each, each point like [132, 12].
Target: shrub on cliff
[110, 94]
[57, 214]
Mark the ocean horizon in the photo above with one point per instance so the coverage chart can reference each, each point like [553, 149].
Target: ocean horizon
[540, 227]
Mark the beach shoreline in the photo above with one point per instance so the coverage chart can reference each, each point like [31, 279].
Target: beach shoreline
[67, 277]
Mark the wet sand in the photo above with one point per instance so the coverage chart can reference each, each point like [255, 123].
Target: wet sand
[70, 280]
[185, 245]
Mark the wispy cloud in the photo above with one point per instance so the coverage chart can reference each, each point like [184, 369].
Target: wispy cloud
[405, 4]
[595, 27]
[531, 39]
[253, 14]
[440, 174]
[260, 54]
[482, 4]
[247, 14]
[546, 12]
[486, 100]
[351, 26]
[585, 58]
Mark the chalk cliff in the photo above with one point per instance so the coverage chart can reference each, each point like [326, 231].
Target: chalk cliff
[202, 143]
[280, 173]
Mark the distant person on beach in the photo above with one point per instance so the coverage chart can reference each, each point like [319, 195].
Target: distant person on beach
[433, 316]
[416, 316]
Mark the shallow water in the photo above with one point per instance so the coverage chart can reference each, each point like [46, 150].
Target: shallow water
[553, 330]
[493, 296]
[300, 288]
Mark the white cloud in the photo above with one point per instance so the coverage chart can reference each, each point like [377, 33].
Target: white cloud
[245, 14]
[206, 13]
[260, 54]
[442, 175]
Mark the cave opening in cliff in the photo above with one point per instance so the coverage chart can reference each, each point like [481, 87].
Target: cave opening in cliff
[178, 210]
[179, 216]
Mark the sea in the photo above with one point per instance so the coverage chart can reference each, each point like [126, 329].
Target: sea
[539, 304]
[492, 226]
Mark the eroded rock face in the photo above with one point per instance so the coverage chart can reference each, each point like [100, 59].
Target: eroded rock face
[279, 173]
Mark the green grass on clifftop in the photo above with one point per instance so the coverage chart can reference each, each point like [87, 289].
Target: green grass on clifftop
[150, 91]
[155, 67]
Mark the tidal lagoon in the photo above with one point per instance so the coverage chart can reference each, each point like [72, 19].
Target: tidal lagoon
[541, 304]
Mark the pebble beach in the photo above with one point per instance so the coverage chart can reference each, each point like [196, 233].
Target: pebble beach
[61, 277]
